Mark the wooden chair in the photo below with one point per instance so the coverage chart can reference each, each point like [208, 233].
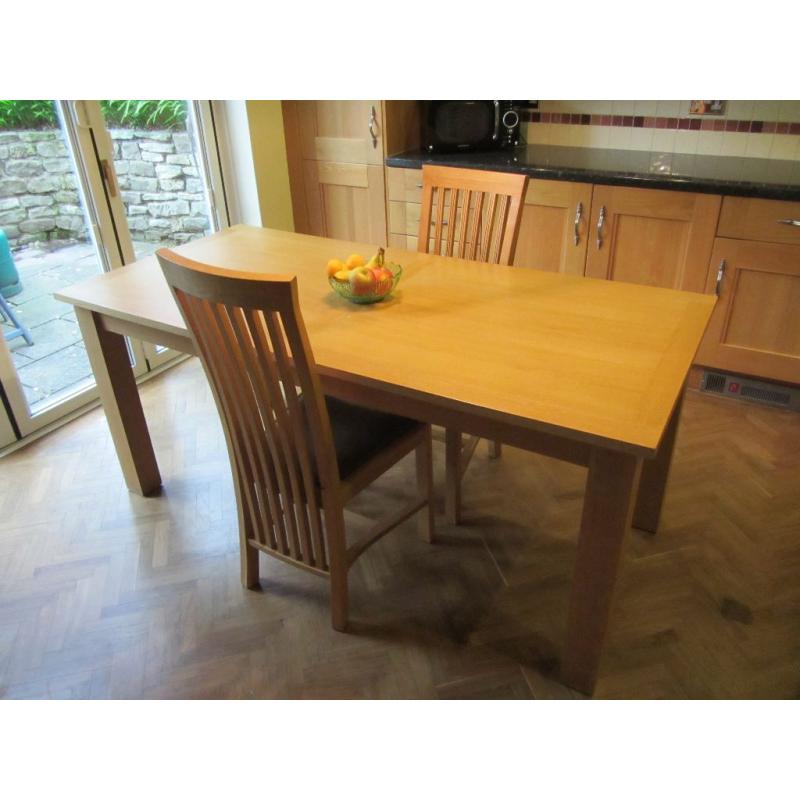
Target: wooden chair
[473, 214]
[297, 457]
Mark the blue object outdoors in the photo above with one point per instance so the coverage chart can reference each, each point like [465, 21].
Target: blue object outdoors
[10, 284]
[7, 312]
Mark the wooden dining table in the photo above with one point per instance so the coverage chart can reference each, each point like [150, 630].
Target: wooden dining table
[584, 370]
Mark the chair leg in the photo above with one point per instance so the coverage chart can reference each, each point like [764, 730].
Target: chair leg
[452, 473]
[424, 463]
[249, 565]
[339, 600]
[495, 449]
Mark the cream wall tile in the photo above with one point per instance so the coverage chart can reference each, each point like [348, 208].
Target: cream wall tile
[709, 143]
[624, 107]
[619, 138]
[686, 141]
[641, 139]
[766, 110]
[785, 147]
[734, 144]
[559, 134]
[578, 136]
[741, 109]
[538, 133]
[669, 108]
[759, 145]
[664, 141]
[683, 108]
[598, 135]
[789, 110]
[645, 108]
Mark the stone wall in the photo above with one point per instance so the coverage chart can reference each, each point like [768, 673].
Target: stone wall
[159, 182]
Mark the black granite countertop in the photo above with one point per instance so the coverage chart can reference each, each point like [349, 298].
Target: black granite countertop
[727, 175]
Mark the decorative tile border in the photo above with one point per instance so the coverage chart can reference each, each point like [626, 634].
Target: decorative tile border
[672, 123]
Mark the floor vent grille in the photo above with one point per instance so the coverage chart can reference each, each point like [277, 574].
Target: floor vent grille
[747, 389]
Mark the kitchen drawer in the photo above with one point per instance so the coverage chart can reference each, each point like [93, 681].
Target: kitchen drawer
[404, 185]
[760, 220]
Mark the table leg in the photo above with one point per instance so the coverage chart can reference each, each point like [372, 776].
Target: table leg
[606, 515]
[119, 394]
[650, 496]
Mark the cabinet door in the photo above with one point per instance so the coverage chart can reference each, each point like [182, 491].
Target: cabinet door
[345, 201]
[344, 131]
[554, 227]
[335, 154]
[653, 237]
[755, 328]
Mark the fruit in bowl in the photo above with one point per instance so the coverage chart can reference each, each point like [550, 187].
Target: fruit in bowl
[362, 282]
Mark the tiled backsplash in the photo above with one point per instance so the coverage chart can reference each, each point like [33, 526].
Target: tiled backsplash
[754, 128]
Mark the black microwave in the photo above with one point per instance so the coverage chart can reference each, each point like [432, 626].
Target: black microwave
[453, 125]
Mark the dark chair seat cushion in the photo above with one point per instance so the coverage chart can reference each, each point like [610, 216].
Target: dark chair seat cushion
[360, 433]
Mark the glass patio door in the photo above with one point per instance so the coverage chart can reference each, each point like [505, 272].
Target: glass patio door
[167, 187]
[86, 187]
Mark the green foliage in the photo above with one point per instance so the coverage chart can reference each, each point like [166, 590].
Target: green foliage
[17, 114]
[144, 113]
[162, 114]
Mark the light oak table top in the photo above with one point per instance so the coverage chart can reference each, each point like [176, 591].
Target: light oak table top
[592, 360]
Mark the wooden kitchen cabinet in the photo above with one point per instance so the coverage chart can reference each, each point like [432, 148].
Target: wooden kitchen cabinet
[755, 328]
[335, 152]
[652, 236]
[554, 229]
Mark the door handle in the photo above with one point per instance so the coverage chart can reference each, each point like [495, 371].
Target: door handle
[578, 212]
[601, 219]
[108, 175]
[720, 276]
[373, 120]
[793, 222]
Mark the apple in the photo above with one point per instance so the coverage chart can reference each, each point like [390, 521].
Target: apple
[362, 281]
[384, 278]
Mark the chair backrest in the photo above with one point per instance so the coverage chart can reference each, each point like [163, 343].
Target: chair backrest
[249, 335]
[475, 213]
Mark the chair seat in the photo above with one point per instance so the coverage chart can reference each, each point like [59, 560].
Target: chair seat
[360, 433]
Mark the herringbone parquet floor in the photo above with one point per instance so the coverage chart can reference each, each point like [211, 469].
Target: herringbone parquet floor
[104, 594]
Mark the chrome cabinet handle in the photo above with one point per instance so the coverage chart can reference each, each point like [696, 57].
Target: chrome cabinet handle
[720, 276]
[373, 119]
[793, 222]
[578, 212]
[600, 222]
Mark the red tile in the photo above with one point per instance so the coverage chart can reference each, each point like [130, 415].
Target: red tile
[650, 122]
[769, 127]
[782, 127]
[731, 125]
[743, 126]
[661, 122]
[683, 124]
[706, 124]
[794, 128]
[606, 119]
[672, 123]
[719, 124]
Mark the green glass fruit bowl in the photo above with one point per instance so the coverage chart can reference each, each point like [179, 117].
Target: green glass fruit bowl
[366, 291]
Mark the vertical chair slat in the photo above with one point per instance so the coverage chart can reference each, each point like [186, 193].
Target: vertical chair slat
[264, 407]
[476, 226]
[462, 245]
[233, 364]
[437, 232]
[451, 222]
[294, 417]
[248, 508]
[209, 340]
[486, 243]
[297, 498]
